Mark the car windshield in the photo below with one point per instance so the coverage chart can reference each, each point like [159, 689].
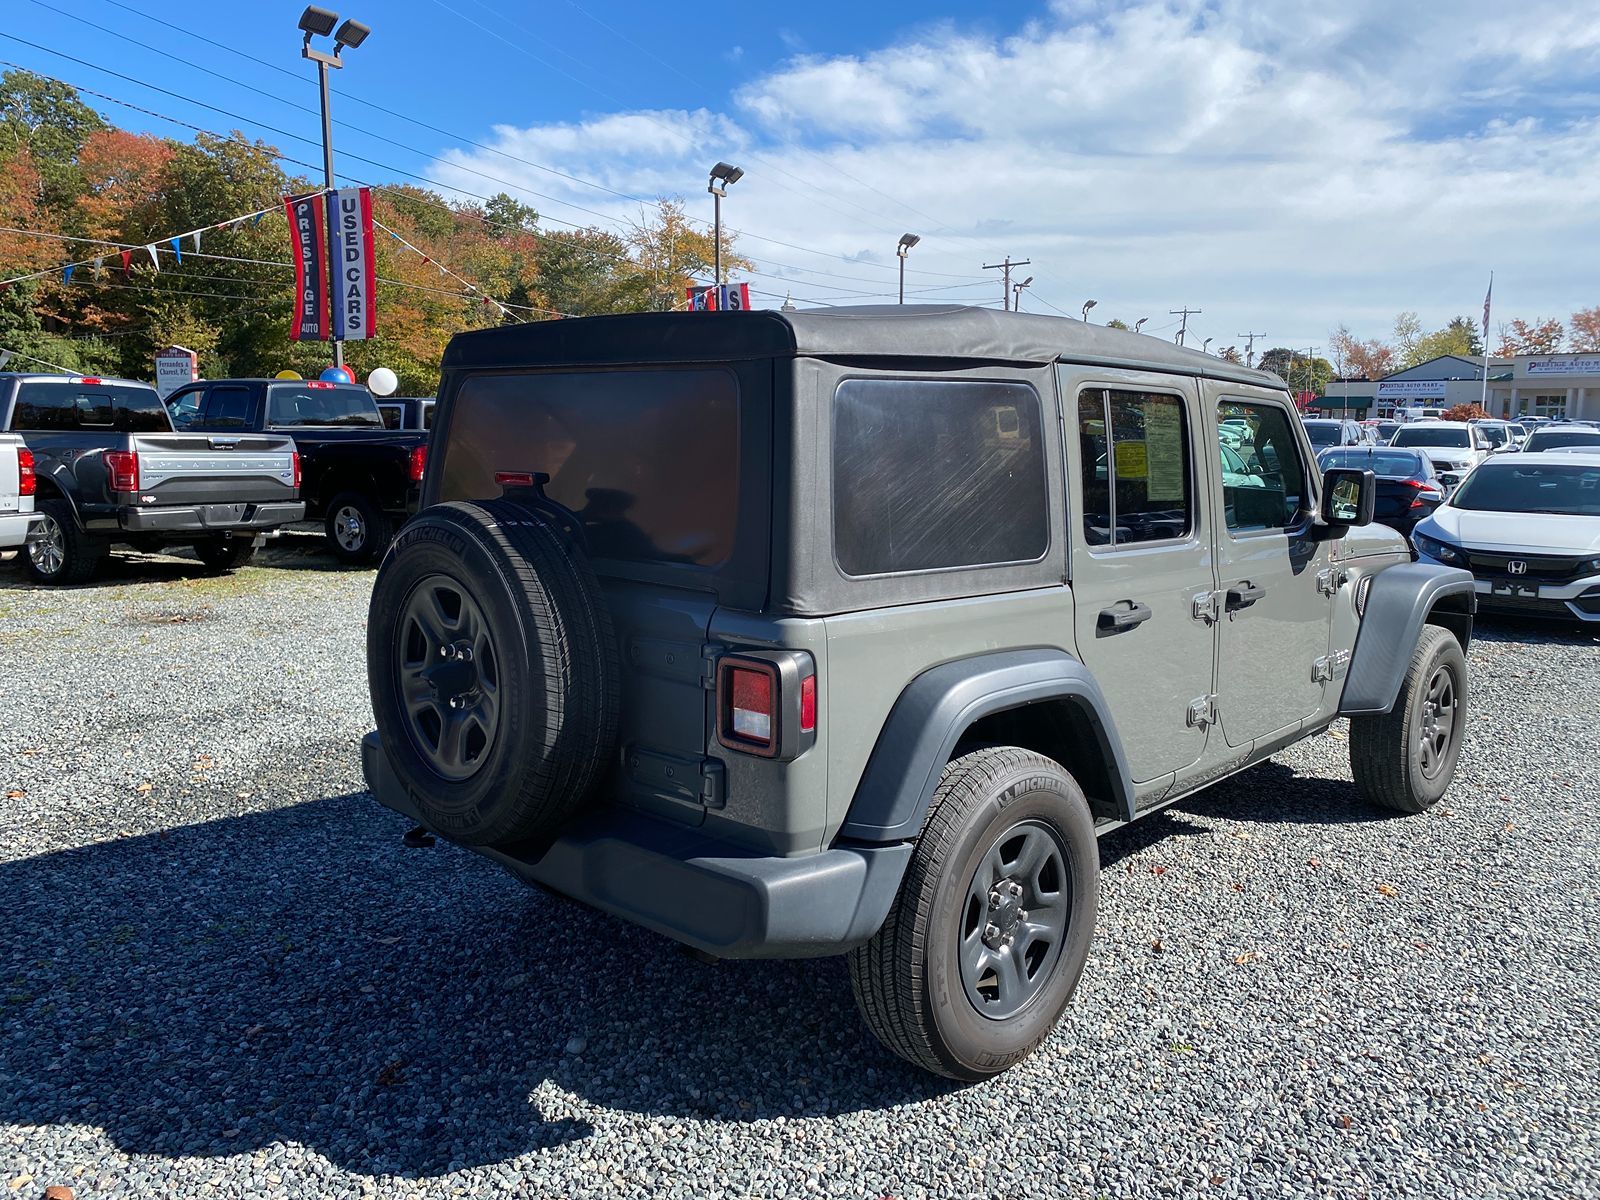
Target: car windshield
[1393, 464]
[1546, 439]
[300, 405]
[1434, 435]
[1386, 429]
[1323, 433]
[1497, 434]
[1532, 488]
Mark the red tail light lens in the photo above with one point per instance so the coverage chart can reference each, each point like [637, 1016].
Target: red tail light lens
[808, 704]
[514, 478]
[28, 484]
[295, 455]
[122, 470]
[751, 712]
[418, 463]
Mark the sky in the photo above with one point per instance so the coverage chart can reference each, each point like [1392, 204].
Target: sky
[1282, 166]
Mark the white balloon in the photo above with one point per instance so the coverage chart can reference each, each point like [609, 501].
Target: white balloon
[382, 382]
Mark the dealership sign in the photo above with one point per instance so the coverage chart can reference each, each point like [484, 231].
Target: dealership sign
[1564, 366]
[1411, 389]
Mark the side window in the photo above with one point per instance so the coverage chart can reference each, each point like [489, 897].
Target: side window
[1271, 493]
[184, 408]
[43, 407]
[393, 415]
[139, 410]
[1136, 468]
[228, 408]
[932, 474]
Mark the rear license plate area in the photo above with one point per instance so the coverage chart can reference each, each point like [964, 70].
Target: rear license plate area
[223, 514]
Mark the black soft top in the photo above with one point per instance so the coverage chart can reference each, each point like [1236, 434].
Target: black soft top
[890, 331]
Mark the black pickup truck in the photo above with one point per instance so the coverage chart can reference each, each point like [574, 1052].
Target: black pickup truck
[108, 468]
[361, 480]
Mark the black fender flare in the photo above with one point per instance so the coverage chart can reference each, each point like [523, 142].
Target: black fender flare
[50, 487]
[939, 705]
[1400, 601]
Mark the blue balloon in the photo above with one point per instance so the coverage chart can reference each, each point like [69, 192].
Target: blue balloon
[335, 375]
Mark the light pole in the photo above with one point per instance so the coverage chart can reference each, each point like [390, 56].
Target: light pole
[319, 22]
[907, 240]
[722, 175]
[1137, 325]
[1016, 293]
[1087, 305]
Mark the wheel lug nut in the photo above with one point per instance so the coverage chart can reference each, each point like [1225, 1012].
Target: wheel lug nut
[1016, 889]
[991, 932]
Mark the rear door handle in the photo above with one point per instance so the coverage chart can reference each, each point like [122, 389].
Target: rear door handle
[1128, 614]
[1243, 595]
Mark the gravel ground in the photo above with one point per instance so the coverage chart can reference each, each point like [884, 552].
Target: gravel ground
[222, 974]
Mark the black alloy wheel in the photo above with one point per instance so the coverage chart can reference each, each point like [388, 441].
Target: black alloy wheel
[448, 677]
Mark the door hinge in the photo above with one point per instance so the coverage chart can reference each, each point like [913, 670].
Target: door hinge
[1203, 712]
[1206, 607]
[1330, 667]
[1331, 579]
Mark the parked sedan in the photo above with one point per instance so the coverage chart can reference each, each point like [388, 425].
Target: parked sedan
[1408, 488]
[1528, 527]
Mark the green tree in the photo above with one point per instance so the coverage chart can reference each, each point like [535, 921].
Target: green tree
[49, 121]
[1116, 323]
[501, 212]
[1301, 373]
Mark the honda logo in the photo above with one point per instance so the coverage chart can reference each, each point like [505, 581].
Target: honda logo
[1517, 567]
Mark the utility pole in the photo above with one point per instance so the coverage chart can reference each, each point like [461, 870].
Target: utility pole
[1185, 312]
[1250, 347]
[1005, 284]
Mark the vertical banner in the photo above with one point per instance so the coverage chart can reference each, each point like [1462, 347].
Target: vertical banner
[353, 268]
[308, 241]
[725, 297]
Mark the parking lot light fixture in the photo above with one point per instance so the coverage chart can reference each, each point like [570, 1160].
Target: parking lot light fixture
[722, 175]
[907, 240]
[1016, 293]
[1087, 305]
[1205, 346]
[1137, 324]
[351, 34]
[317, 22]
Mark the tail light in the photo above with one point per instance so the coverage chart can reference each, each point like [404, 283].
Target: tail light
[767, 703]
[28, 483]
[418, 463]
[122, 470]
[1425, 492]
[295, 456]
[90, 379]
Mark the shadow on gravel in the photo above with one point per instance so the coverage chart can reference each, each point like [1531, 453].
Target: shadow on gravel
[1498, 627]
[296, 976]
[294, 551]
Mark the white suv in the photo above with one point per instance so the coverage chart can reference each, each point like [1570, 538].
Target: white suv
[1455, 447]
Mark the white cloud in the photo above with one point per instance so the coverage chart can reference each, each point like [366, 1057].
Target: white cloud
[1281, 165]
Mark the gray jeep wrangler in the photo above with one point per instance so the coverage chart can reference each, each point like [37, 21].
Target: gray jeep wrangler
[847, 632]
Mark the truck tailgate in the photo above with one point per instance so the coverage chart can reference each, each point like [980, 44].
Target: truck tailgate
[214, 468]
[10, 474]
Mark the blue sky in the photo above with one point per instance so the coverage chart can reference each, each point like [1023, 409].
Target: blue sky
[1282, 165]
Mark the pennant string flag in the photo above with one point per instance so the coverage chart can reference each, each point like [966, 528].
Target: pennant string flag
[66, 273]
[127, 263]
[177, 248]
[156, 262]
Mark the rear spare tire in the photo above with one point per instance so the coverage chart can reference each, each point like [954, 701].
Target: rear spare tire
[493, 671]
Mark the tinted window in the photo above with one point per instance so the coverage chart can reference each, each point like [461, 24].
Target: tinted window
[66, 405]
[393, 415]
[139, 410]
[649, 460]
[1135, 453]
[931, 474]
[1324, 433]
[229, 407]
[1544, 439]
[44, 406]
[292, 405]
[1531, 488]
[1274, 497]
[1433, 435]
[427, 414]
[1396, 464]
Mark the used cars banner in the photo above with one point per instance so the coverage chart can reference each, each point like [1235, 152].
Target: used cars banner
[307, 240]
[354, 277]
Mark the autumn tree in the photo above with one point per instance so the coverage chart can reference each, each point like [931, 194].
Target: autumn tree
[1464, 412]
[50, 121]
[1230, 354]
[1519, 337]
[1583, 329]
[1370, 359]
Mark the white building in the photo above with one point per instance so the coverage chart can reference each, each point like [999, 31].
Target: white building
[1441, 383]
[1546, 385]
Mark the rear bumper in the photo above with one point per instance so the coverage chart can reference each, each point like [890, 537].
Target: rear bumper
[694, 889]
[14, 527]
[209, 518]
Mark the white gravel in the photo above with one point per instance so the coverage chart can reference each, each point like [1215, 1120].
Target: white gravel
[222, 974]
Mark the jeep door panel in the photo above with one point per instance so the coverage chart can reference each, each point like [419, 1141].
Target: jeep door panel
[1273, 614]
[1135, 580]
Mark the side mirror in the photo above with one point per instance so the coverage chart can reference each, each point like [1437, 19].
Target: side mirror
[1348, 497]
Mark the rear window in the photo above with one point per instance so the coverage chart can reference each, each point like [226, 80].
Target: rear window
[1324, 433]
[1433, 435]
[295, 405]
[649, 460]
[47, 405]
[934, 474]
[1546, 439]
[1395, 464]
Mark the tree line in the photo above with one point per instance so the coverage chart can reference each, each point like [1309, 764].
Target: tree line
[65, 171]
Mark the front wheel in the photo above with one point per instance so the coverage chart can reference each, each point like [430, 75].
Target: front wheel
[989, 935]
[358, 530]
[1405, 759]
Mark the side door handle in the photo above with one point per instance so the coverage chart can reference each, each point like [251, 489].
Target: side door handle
[1124, 615]
[1243, 595]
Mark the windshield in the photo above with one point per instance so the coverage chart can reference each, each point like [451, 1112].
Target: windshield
[1532, 488]
[299, 405]
[1434, 435]
[1497, 434]
[1395, 464]
[1546, 439]
[1323, 433]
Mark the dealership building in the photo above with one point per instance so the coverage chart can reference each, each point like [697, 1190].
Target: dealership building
[1527, 385]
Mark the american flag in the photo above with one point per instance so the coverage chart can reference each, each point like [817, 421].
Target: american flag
[1486, 296]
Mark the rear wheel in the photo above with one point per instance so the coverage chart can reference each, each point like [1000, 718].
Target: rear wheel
[358, 530]
[989, 935]
[58, 551]
[1405, 759]
[225, 553]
